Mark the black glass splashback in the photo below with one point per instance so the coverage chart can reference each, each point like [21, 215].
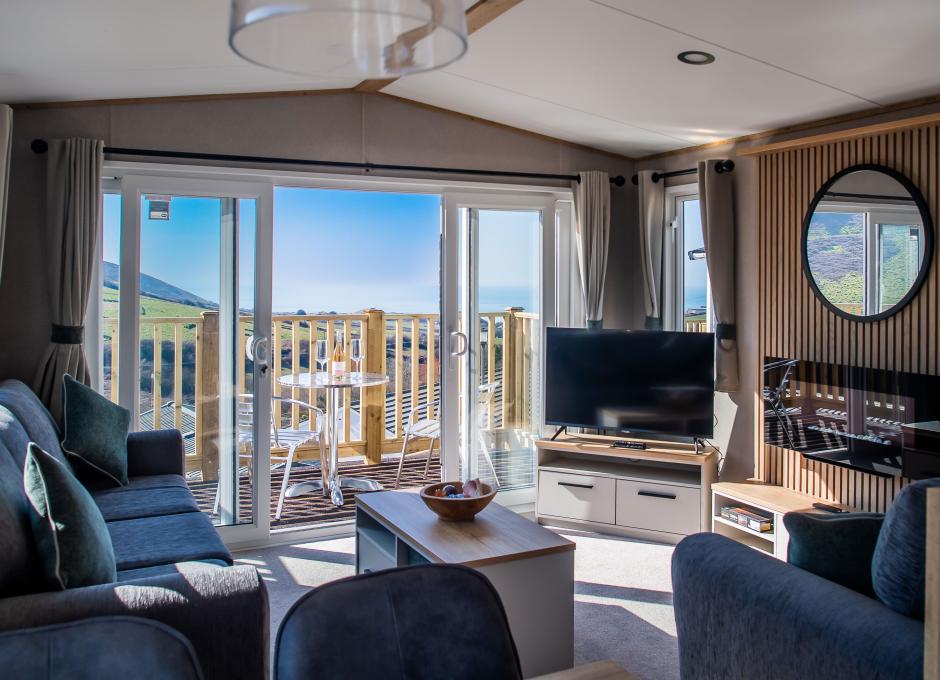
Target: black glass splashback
[882, 422]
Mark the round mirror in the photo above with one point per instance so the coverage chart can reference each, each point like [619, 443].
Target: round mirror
[867, 242]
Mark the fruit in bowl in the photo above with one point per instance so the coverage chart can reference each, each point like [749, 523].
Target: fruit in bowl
[458, 501]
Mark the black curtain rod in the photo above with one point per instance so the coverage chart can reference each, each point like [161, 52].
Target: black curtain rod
[720, 167]
[41, 146]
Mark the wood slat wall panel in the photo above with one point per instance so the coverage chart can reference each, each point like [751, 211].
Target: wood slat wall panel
[794, 324]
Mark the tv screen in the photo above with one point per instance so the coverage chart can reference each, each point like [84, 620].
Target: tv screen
[655, 382]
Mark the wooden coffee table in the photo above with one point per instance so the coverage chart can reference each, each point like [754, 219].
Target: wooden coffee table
[531, 567]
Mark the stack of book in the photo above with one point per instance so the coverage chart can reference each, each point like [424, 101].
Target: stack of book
[747, 518]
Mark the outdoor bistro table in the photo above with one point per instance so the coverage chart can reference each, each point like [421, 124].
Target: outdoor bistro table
[333, 386]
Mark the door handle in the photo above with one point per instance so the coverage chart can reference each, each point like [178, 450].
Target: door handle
[657, 494]
[258, 351]
[455, 339]
[577, 486]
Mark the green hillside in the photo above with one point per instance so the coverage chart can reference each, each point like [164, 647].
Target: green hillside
[152, 307]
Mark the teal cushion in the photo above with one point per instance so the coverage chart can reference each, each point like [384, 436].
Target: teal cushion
[838, 546]
[71, 536]
[897, 569]
[96, 431]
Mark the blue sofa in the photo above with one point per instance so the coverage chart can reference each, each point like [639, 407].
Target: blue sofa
[741, 614]
[172, 565]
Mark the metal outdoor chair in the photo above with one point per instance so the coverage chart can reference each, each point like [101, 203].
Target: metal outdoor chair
[281, 438]
[773, 395]
[430, 428]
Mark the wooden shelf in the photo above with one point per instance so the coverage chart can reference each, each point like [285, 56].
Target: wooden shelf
[768, 496]
[766, 535]
[657, 451]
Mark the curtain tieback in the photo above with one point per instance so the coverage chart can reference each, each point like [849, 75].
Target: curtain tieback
[68, 335]
[726, 331]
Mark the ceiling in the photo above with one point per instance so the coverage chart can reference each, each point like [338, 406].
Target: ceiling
[597, 72]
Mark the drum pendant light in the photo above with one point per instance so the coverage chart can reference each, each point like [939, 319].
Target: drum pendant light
[349, 38]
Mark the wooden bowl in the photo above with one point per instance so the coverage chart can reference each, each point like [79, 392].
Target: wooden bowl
[456, 509]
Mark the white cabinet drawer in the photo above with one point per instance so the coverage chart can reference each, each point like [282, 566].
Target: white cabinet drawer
[576, 496]
[659, 507]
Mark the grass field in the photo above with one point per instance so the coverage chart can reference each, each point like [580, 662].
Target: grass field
[151, 307]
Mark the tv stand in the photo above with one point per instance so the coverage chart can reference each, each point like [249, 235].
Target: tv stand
[660, 493]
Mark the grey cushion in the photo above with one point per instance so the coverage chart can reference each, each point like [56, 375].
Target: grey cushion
[839, 546]
[897, 569]
[140, 483]
[104, 647]
[134, 503]
[33, 416]
[744, 615]
[151, 541]
[19, 566]
[164, 569]
[70, 534]
[95, 431]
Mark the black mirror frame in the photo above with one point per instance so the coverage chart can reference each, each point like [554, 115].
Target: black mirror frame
[921, 204]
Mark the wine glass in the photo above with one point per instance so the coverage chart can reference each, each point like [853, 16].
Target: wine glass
[321, 355]
[356, 353]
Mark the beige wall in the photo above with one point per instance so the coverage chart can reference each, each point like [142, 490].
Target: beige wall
[343, 127]
[735, 433]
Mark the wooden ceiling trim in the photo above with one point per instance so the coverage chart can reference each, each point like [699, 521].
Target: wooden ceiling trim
[478, 16]
[844, 135]
[797, 127]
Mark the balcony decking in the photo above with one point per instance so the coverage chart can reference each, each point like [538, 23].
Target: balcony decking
[514, 468]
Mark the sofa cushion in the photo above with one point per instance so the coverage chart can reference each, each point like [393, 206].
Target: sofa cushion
[163, 569]
[897, 570]
[95, 431]
[134, 503]
[15, 438]
[141, 483]
[150, 541]
[100, 647]
[70, 534]
[33, 416]
[19, 567]
[839, 547]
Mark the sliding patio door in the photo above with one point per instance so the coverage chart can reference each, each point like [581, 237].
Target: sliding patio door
[497, 298]
[194, 304]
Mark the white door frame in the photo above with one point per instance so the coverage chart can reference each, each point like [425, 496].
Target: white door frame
[451, 271]
[133, 187]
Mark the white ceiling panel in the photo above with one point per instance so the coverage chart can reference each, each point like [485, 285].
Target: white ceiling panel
[597, 72]
[62, 49]
[605, 63]
[882, 51]
[456, 93]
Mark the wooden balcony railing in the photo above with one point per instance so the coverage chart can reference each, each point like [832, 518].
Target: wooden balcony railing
[180, 376]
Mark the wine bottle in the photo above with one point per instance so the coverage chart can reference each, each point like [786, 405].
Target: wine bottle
[338, 362]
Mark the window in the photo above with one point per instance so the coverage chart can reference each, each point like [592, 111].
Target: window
[688, 308]
[864, 258]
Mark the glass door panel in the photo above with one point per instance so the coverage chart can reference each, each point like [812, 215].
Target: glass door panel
[199, 248]
[504, 287]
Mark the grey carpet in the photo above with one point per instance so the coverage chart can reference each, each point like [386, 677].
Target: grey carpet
[623, 595]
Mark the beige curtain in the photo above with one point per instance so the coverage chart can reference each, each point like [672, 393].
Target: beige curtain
[716, 199]
[73, 194]
[592, 216]
[6, 143]
[652, 202]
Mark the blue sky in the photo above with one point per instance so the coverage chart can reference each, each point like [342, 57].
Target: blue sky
[696, 271]
[337, 250]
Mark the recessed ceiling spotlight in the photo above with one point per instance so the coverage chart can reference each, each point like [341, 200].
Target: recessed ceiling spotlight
[695, 58]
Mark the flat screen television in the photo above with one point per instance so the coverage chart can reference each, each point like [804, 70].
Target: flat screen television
[649, 382]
